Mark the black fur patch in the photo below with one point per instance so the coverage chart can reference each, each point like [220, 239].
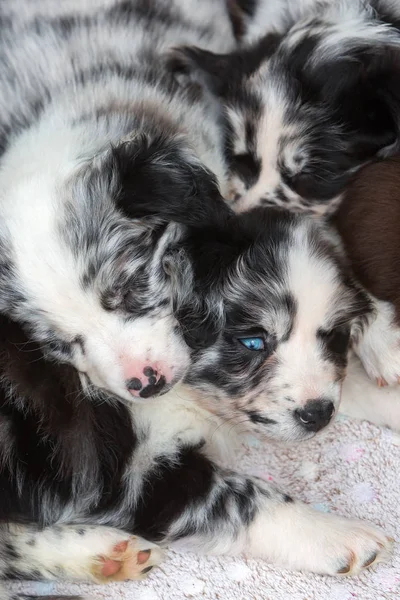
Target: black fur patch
[49, 418]
[247, 167]
[336, 344]
[157, 179]
[248, 6]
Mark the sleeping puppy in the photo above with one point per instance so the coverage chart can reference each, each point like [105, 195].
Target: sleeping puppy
[305, 106]
[92, 127]
[92, 485]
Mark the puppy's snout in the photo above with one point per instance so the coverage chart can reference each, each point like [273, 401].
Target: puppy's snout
[315, 415]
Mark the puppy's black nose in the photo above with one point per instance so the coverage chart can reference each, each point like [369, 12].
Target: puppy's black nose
[316, 414]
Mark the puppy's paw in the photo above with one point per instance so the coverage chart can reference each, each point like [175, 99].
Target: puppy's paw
[131, 558]
[345, 546]
[85, 553]
[302, 539]
[379, 347]
[356, 546]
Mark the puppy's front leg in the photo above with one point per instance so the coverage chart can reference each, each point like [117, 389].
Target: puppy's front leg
[246, 515]
[295, 535]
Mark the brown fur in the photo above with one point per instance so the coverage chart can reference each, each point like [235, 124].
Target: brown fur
[369, 223]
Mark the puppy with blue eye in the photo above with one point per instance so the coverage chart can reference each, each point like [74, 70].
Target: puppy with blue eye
[290, 307]
[309, 102]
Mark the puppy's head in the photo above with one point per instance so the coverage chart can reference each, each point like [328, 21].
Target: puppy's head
[92, 264]
[304, 110]
[289, 305]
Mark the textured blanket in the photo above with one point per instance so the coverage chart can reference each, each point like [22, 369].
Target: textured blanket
[351, 469]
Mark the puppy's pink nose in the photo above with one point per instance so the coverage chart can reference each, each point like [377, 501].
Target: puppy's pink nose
[149, 383]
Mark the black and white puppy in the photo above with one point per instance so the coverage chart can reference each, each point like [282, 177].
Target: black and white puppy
[83, 477]
[92, 127]
[312, 98]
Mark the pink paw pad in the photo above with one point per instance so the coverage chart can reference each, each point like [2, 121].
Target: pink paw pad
[125, 561]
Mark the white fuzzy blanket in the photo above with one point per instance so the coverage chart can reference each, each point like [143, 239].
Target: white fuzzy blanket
[351, 469]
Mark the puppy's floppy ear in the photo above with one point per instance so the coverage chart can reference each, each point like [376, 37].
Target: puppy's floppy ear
[202, 315]
[221, 73]
[213, 253]
[360, 80]
[200, 325]
[158, 176]
[367, 100]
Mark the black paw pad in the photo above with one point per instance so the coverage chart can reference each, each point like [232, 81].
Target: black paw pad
[134, 384]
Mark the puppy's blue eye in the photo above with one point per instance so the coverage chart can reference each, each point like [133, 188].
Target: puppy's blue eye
[253, 343]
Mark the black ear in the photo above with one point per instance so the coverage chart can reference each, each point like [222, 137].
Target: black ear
[157, 176]
[200, 326]
[364, 91]
[368, 103]
[221, 73]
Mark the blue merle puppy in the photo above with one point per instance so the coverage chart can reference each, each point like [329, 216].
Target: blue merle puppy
[91, 126]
